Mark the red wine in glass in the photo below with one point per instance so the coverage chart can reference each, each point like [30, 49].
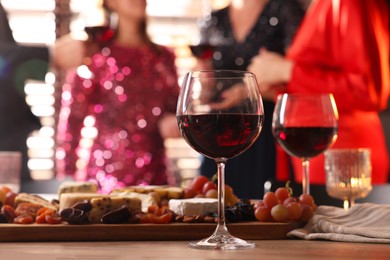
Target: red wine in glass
[220, 114]
[220, 135]
[95, 31]
[305, 142]
[305, 125]
[202, 50]
[99, 32]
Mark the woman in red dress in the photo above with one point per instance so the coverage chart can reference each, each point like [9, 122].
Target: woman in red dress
[116, 109]
[342, 47]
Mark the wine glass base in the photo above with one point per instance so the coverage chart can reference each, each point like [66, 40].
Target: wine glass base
[222, 242]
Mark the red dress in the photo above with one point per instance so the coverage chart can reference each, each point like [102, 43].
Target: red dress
[342, 47]
[108, 123]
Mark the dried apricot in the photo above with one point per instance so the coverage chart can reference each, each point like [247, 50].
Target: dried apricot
[42, 213]
[53, 219]
[27, 209]
[144, 218]
[8, 212]
[163, 219]
[23, 219]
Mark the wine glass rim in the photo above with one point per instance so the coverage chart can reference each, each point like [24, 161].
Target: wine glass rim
[231, 73]
[352, 149]
[305, 94]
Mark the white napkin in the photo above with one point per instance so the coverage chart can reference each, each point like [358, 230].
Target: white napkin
[366, 222]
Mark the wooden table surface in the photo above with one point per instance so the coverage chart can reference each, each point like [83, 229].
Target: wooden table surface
[265, 249]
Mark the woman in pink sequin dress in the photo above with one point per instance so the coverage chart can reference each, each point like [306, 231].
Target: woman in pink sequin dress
[113, 108]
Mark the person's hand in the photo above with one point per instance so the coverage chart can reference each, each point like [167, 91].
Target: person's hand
[68, 52]
[272, 71]
[229, 98]
[203, 64]
[271, 68]
[168, 127]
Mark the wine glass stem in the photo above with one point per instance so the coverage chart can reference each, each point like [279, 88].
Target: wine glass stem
[305, 176]
[348, 203]
[221, 191]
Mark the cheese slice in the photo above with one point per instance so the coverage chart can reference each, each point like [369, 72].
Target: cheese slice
[68, 200]
[194, 206]
[102, 205]
[169, 192]
[146, 199]
[74, 187]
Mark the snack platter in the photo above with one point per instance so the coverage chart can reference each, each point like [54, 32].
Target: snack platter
[140, 213]
[138, 232]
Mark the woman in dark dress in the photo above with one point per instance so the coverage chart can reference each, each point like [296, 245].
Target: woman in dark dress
[269, 24]
[17, 63]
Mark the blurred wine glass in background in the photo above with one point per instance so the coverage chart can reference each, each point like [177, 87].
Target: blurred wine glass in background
[348, 174]
[305, 125]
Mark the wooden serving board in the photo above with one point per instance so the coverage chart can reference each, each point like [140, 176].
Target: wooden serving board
[139, 232]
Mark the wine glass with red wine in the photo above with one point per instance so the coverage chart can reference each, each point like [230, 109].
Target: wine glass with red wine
[305, 125]
[220, 114]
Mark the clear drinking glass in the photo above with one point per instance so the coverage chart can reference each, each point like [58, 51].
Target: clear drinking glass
[10, 165]
[220, 114]
[348, 174]
[305, 125]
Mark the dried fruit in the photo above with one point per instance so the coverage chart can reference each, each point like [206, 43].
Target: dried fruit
[117, 216]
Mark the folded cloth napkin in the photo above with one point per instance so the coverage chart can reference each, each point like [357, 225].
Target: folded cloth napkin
[366, 222]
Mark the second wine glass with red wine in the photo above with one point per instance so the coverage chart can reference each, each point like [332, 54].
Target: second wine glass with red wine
[305, 125]
[220, 114]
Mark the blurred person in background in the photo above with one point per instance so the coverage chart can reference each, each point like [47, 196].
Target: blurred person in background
[118, 107]
[342, 48]
[234, 36]
[17, 64]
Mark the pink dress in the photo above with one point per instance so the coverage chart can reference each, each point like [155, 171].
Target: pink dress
[108, 123]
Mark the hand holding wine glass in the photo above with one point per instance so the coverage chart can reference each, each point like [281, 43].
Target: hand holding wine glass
[220, 130]
[305, 125]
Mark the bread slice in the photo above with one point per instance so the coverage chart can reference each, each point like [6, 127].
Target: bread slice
[35, 199]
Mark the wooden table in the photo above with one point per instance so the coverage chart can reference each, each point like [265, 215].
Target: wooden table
[265, 249]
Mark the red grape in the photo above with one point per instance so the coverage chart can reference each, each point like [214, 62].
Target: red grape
[209, 185]
[279, 213]
[270, 199]
[282, 193]
[213, 193]
[258, 203]
[289, 200]
[295, 210]
[307, 213]
[198, 182]
[306, 199]
[262, 213]
[189, 193]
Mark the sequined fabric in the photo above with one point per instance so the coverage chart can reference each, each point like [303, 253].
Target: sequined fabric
[108, 123]
[274, 30]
